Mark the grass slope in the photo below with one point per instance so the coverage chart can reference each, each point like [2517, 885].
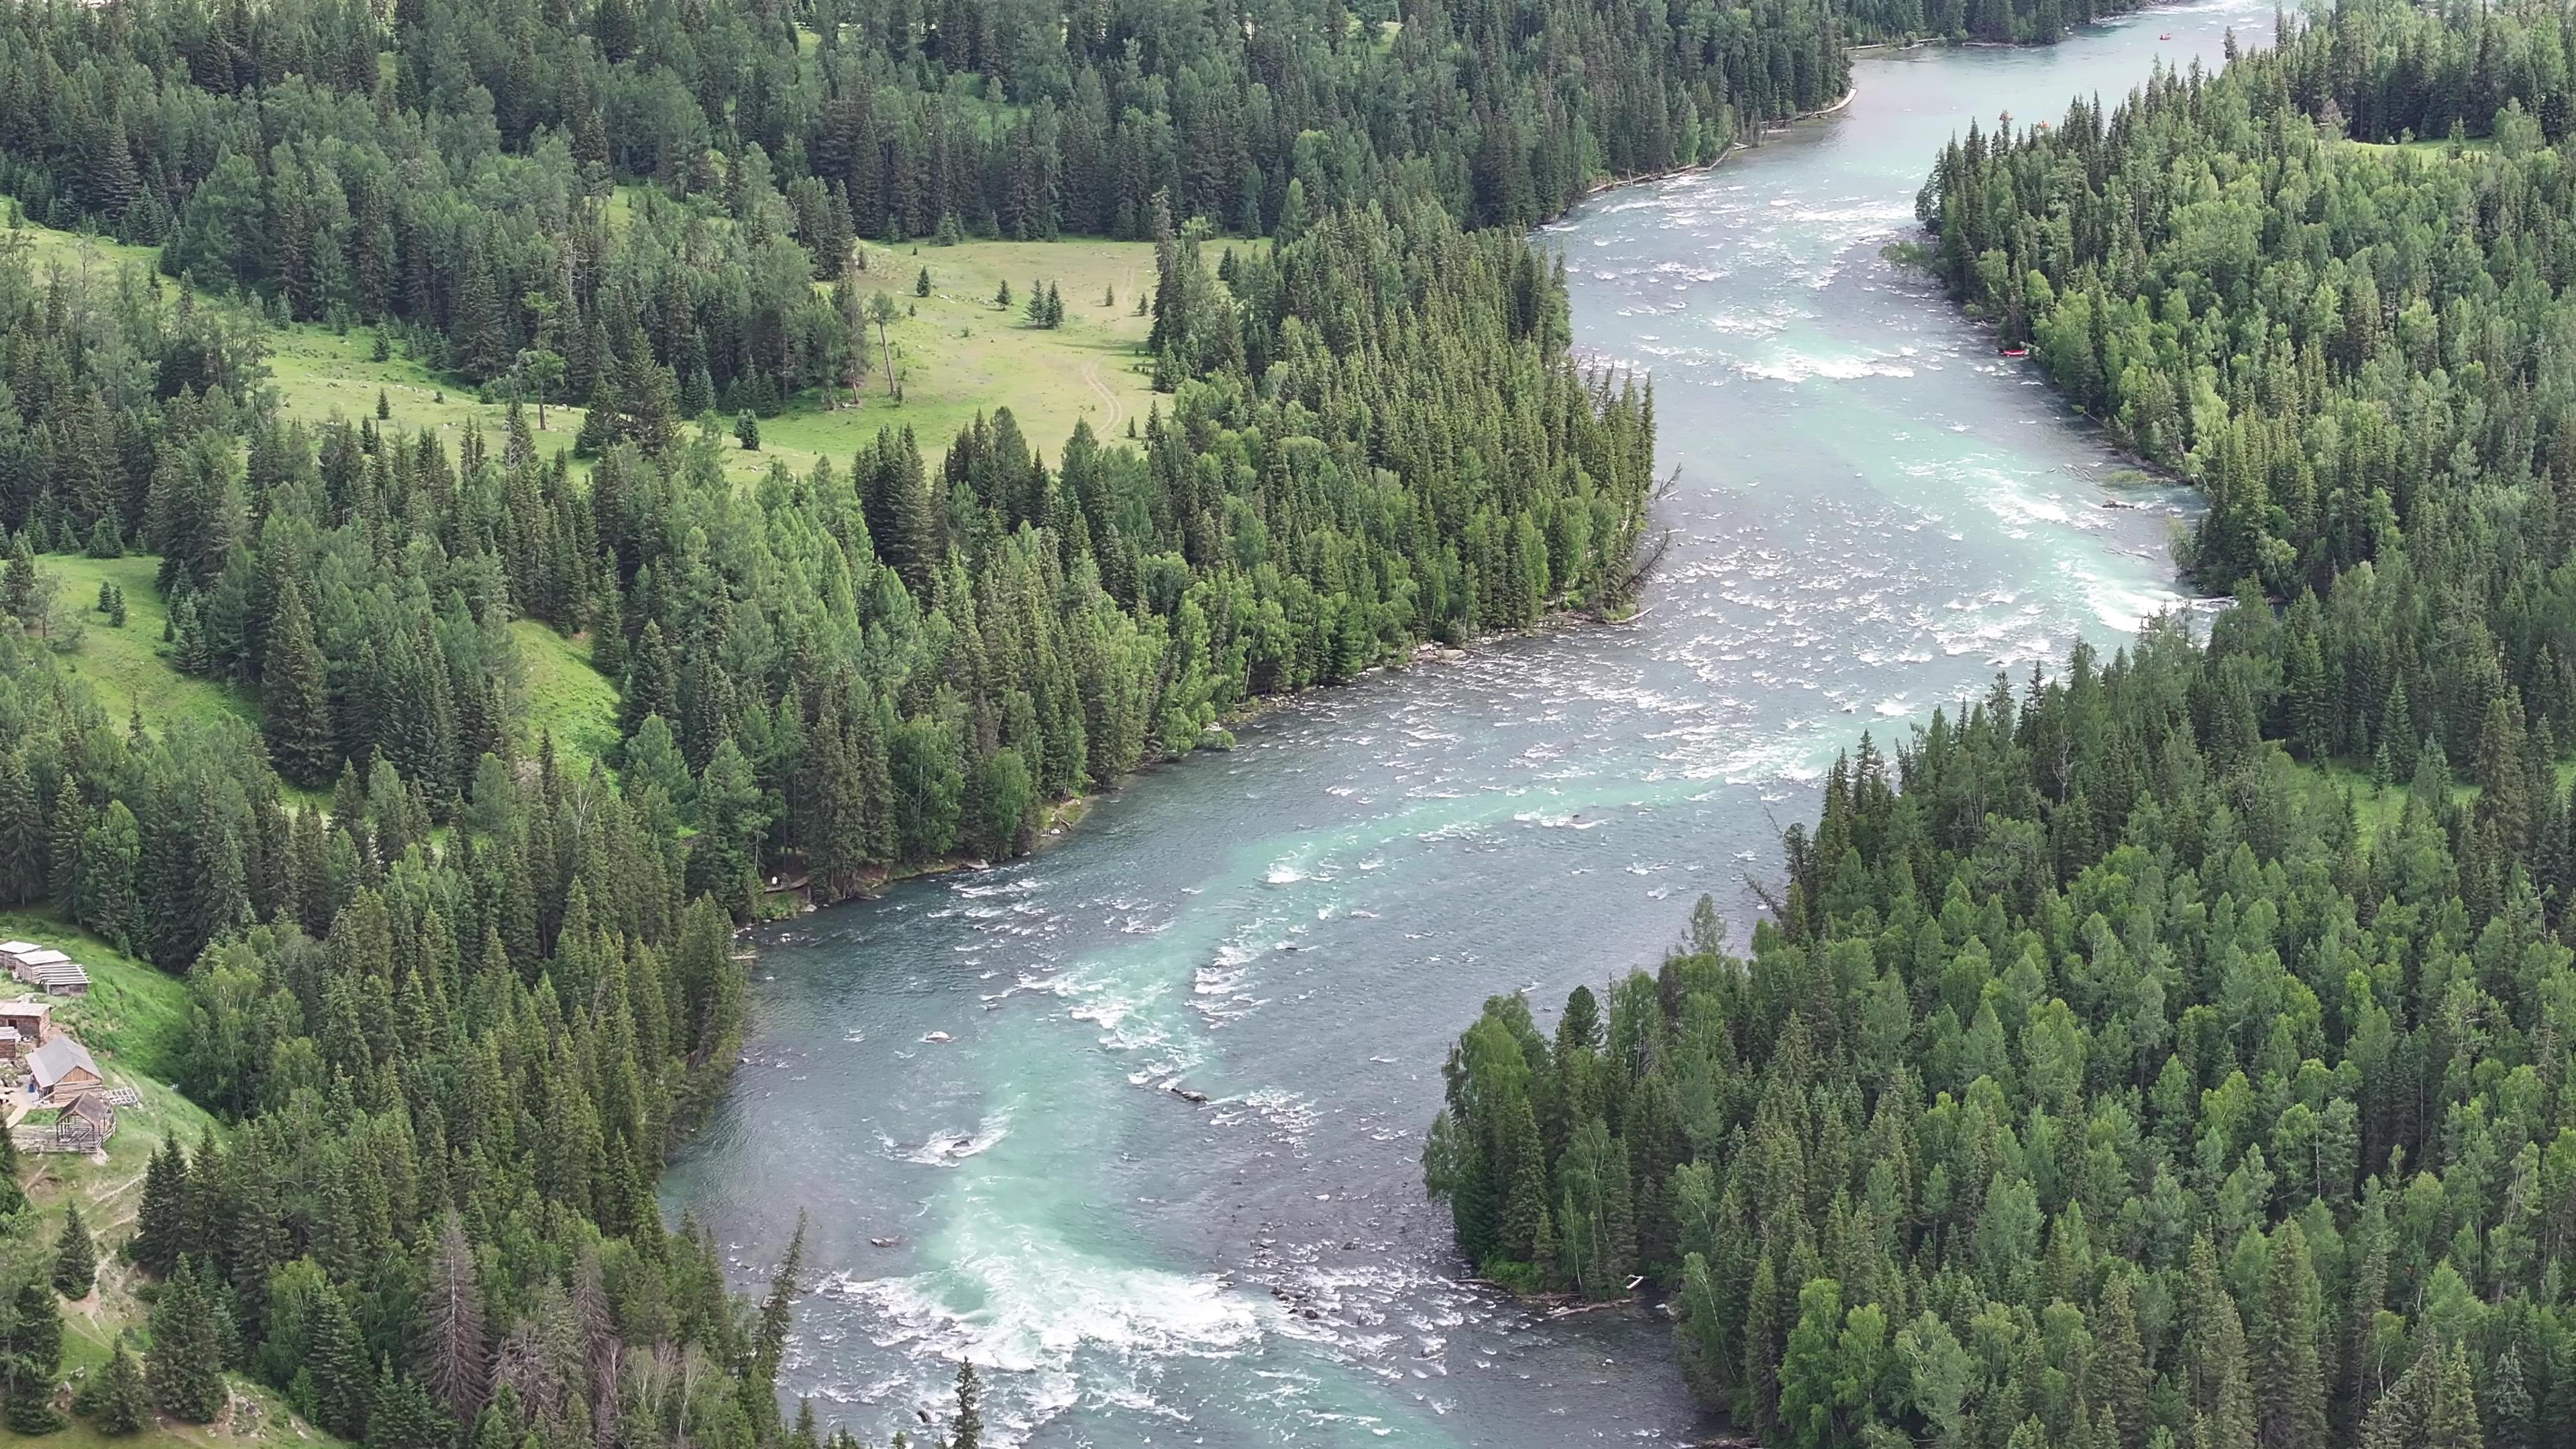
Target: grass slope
[958, 354]
[566, 697]
[130, 668]
[963, 355]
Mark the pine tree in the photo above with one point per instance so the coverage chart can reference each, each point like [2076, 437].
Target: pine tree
[70, 828]
[2120, 1361]
[117, 1401]
[651, 680]
[33, 1362]
[342, 1382]
[22, 835]
[969, 1433]
[2451, 1416]
[770, 1346]
[12, 1196]
[295, 697]
[401, 1415]
[454, 1359]
[2221, 1394]
[2289, 1380]
[160, 1224]
[75, 1258]
[185, 1368]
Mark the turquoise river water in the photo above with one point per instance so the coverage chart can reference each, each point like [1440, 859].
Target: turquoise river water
[1875, 514]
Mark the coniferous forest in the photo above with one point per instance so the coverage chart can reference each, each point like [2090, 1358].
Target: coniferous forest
[456, 993]
[2173, 1050]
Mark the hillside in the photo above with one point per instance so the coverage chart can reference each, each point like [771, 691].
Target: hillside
[134, 1021]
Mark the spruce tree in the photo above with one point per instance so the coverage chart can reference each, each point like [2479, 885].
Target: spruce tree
[12, 1196]
[33, 1362]
[2125, 1382]
[160, 1223]
[969, 1432]
[2289, 1380]
[117, 1401]
[185, 1368]
[2451, 1415]
[401, 1415]
[70, 827]
[453, 1357]
[75, 1257]
[22, 835]
[342, 1382]
[295, 697]
[2221, 1393]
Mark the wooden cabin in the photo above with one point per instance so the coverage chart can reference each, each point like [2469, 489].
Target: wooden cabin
[27, 1024]
[60, 1073]
[44, 967]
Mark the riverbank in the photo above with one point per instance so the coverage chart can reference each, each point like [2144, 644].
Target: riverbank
[1059, 820]
[1300, 929]
[1608, 184]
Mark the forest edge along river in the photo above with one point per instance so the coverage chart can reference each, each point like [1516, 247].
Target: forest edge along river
[985, 1087]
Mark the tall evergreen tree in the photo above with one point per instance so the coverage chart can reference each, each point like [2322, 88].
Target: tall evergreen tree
[75, 1269]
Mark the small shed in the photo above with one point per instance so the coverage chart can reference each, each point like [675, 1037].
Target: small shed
[28, 965]
[32, 1021]
[61, 1071]
[62, 979]
[85, 1125]
[12, 951]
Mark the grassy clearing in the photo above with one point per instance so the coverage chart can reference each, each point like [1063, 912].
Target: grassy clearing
[2429, 146]
[957, 352]
[320, 374]
[962, 354]
[134, 1019]
[2380, 807]
[80, 253]
[567, 698]
[129, 668]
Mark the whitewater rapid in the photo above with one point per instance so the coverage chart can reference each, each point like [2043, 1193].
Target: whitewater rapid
[975, 1086]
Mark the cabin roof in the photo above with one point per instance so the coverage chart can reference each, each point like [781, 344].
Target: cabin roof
[57, 1059]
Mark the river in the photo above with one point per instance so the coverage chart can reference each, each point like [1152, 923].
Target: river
[1875, 515]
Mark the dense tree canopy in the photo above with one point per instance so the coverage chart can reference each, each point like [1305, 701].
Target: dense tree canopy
[2101, 1076]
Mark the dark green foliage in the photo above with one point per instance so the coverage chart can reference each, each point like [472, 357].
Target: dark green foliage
[75, 1257]
[31, 1360]
[185, 1368]
[116, 1400]
[402, 1416]
[968, 1433]
[160, 1231]
[2146, 1095]
[295, 698]
[12, 1196]
[2243, 295]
